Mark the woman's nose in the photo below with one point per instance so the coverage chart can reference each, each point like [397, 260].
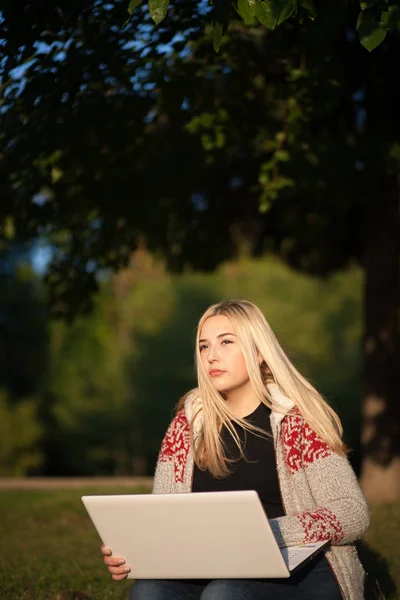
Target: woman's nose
[212, 355]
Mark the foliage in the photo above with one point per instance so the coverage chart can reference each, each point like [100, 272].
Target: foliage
[273, 123]
[284, 142]
[23, 352]
[117, 374]
[23, 326]
[89, 397]
[20, 434]
[41, 531]
[375, 19]
[108, 382]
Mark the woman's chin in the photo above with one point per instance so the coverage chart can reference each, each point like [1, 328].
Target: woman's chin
[221, 388]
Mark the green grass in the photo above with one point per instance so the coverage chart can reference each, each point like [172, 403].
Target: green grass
[380, 552]
[50, 550]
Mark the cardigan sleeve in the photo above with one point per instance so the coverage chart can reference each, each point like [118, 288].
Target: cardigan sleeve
[341, 512]
[172, 458]
[163, 479]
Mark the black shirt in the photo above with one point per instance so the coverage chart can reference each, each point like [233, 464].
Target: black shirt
[259, 474]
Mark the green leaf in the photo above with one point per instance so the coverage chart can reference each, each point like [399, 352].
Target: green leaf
[56, 174]
[8, 229]
[287, 10]
[267, 14]
[273, 12]
[385, 16]
[220, 22]
[371, 32]
[218, 34]
[247, 10]
[219, 30]
[158, 10]
[282, 155]
[391, 18]
[365, 4]
[309, 6]
[132, 5]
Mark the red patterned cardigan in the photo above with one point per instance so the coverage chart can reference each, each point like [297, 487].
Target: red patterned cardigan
[320, 493]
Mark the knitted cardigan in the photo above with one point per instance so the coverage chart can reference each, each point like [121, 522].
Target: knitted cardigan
[320, 493]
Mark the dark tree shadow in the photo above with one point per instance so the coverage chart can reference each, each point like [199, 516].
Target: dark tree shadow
[378, 583]
[24, 336]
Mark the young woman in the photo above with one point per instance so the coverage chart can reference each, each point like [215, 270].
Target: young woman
[255, 422]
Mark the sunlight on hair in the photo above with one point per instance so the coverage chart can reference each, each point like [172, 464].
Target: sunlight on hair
[257, 341]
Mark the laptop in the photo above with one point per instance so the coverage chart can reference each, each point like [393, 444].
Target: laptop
[198, 535]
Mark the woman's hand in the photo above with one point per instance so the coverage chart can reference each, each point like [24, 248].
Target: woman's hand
[116, 564]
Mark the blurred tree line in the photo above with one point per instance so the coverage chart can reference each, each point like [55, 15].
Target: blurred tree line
[287, 142]
[95, 396]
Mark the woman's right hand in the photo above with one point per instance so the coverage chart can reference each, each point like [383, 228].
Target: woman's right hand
[116, 564]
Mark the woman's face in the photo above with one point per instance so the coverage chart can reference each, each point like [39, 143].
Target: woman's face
[221, 355]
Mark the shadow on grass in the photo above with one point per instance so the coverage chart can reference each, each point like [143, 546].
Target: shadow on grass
[379, 584]
[73, 595]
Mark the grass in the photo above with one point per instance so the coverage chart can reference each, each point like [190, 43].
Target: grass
[50, 551]
[380, 552]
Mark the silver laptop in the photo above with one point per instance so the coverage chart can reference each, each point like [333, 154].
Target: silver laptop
[208, 535]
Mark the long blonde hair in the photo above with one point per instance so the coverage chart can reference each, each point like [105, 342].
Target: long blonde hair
[258, 343]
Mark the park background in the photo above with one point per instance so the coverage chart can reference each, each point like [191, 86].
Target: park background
[145, 176]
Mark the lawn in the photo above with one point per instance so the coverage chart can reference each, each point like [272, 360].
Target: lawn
[50, 550]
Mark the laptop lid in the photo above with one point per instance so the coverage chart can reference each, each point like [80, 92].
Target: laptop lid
[203, 535]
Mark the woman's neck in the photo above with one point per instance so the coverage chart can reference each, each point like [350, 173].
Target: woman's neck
[242, 401]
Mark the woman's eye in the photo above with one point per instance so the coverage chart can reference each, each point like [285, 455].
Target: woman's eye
[202, 347]
[227, 341]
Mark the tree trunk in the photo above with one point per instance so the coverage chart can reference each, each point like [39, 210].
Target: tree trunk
[380, 471]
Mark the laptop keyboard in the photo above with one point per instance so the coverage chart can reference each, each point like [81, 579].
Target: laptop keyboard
[292, 552]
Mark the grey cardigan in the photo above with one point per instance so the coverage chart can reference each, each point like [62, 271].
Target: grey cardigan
[319, 490]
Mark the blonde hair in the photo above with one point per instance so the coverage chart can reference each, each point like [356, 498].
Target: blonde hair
[257, 342]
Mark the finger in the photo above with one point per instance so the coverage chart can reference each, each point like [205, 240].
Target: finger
[106, 550]
[119, 577]
[120, 571]
[114, 561]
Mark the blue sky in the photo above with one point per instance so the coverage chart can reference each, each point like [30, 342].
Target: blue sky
[40, 257]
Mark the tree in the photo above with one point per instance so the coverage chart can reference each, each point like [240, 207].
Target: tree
[20, 432]
[88, 397]
[375, 17]
[23, 326]
[285, 142]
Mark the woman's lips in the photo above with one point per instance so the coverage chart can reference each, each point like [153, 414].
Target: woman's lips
[216, 372]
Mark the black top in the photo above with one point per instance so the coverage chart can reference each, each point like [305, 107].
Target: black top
[259, 474]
